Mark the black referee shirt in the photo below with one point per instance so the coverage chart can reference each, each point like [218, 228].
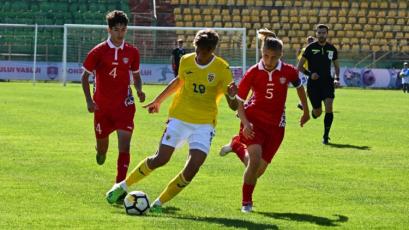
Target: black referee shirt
[319, 59]
[177, 54]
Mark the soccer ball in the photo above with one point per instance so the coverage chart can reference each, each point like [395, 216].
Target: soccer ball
[136, 203]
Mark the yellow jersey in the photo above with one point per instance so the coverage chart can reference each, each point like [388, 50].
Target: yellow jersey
[300, 56]
[197, 100]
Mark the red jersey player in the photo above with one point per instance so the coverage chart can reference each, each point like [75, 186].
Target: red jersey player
[111, 63]
[263, 116]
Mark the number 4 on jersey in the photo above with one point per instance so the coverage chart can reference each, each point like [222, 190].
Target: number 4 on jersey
[113, 72]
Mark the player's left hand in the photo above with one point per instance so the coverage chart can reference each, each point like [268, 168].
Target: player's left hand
[232, 89]
[304, 118]
[141, 96]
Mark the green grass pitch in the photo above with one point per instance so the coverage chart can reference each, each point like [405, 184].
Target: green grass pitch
[49, 177]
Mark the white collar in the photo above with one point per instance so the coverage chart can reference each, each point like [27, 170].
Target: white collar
[204, 66]
[261, 66]
[112, 46]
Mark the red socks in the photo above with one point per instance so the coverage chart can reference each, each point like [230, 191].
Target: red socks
[247, 192]
[122, 166]
[238, 148]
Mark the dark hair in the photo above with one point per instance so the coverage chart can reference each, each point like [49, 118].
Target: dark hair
[116, 17]
[321, 26]
[206, 39]
[272, 43]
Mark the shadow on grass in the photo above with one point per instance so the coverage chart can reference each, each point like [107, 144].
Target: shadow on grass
[342, 146]
[227, 222]
[318, 220]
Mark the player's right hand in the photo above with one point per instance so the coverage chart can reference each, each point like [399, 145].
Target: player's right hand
[91, 106]
[248, 131]
[315, 76]
[152, 107]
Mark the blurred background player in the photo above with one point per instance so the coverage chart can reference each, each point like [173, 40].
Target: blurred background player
[202, 81]
[304, 78]
[112, 103]
[177, 54]
[404, 74]
[263, 117]
[321, 85]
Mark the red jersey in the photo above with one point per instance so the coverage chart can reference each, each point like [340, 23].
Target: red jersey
[111, 67]
[267, 104]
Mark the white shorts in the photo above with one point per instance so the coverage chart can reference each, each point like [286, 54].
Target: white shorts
[199, 136]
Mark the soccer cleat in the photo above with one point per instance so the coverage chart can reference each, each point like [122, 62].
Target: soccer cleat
[116, 192]
[226, 149]
[246, 208]
[156, 208]
[300, 106]
[325, 140]
[100, 158]
[121, 198]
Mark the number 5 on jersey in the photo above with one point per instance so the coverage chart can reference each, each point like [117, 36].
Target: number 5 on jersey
[269, 90]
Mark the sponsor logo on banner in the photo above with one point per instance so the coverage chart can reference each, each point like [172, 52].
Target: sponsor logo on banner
[52, 72]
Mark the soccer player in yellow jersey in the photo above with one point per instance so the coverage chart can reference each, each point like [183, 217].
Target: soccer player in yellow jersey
[203, 79]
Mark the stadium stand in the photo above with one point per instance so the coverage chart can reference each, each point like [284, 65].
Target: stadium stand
[356, 26]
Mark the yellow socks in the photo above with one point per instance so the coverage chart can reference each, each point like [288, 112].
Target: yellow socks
[174, 187]
[139, 172]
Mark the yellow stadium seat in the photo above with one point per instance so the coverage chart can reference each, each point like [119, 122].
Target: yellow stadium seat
[369, 34]
[342, 13]
[316, 4]
[403, 13]
[235, 12]
[226, 18]
[218, 24]
[345, 4]
[240, 3]
[393, 5]
[274, 18]
[286, 26]
[357, 27]
[331, 33]
[372, 21]
[325, 4]
[300, 33]
[323, 12]
[347, 26]
[355, 4]
[383, 5]
[209, 24]
[304, 12]
[303, 19]
[288, 3]
[174, 2]
[379, 34]
[297, 3]
[179, 24]
[199, 24]
[246, 18]
[374, 5]
[208, 17]
[381, 13]
[385, 48]
[365, 47]
[353, 12]
[260, 3]
[377, 28]
[231, 2]
[189, 24]
[354, 40]
[387, 27]
[307, 4]
[335, 4]
[216, 11]
[389, 35]
[372, 13]
[342, 20]
[268, 4]
[396, 28]
[276, 26]
[206, 11]
[196, 11]
[285, 19]
[313, 20]
[217, 18]
[340, 33]
[403, 5]
[362, 21]
[236, 18]
[333, 20]
[332, 12]
[192, 2]
[294, 19]
[391, 13]
[360, 34]
[375, 48]
[381, 21]
[278, 3]
[237, 25]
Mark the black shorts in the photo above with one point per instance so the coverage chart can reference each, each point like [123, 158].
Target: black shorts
[319, 92]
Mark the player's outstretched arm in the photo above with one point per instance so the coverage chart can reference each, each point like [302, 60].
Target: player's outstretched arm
[231, 96]
[172, 87]
[91, 106]
[303, 99]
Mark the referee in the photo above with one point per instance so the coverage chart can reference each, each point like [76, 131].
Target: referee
[320, 85]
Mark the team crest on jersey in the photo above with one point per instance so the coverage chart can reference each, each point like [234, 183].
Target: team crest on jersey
[167, 137]
[330, 54]
[210, 77]
[125, 60]
[282, 80]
